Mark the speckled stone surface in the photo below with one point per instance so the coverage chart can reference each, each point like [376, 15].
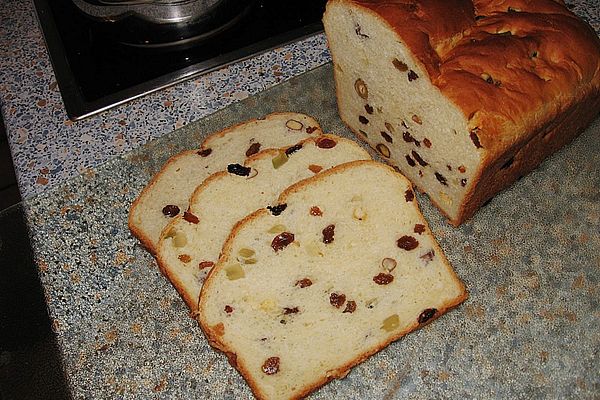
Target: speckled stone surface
[48, 148]
[530, 260]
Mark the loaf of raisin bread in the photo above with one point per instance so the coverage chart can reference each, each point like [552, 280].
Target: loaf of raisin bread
[167, 194]
[345, 266]
[191, 243]
[463, 96]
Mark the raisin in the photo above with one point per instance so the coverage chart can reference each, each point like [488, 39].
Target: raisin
[350, 307]
[314, 168]
[389, 127]
[361, 88]
[427, 257]
[363, 120]
[228, 309]
[291, 150]
[441, 178]
[417, 119]
[412, 75]
[184, 258]
[449, 167]
[383, 278]
[368, 109]
[337, 300]
[426, 315]
[191, 218]
[206, 264]
[387, 137]
[410, 161]
[282, 240]
[407, 243]
[475, 138]
[316, 211]
[463, 182]
[305, 282]
[420, 160]
[253, 149]
[357, 30]
[399, 65]
[311, 129]
[328, 233]
[271, 366]
[427, 142]
[409, 195]
[462, 169]
[238, 169]
[204, 152]
[419, 228]
[383, 150]
[363, 133]
[326, 143]
[408, 138]
[293, 310]
[170, 210]
[278, 209]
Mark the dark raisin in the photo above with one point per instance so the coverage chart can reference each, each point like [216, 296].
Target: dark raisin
[427, 142]
[441, 178]
[419, 159]
[426, 315]
[412, 75]
[409, 195]
[363, 120]
[400, 66]
[449, 167]
[326, 143]
[282, 240]
[291, 150]
[205, 152]
[357, 29]
[383, 278]
[407, 243]
[271, 366]
[463, 182]
[387, 137]
[316, 211]
[293, 310]
[311, 129]
[328, 233]
[253, 149]
[368, 109]
[238, 169]
[278, 209]
[475, 138]
[191, 218]
[508, 163]
[410, 161]
[305, 282]
[350, 307]
[206, 264]
[170, 210]
[337, 300]
[419, 228]
[428, 257]
[409, 138]
[228, 309]
[363, 133]
[462, 169]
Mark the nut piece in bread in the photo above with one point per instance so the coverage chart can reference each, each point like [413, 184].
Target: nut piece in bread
[355, 268]
[463, 96]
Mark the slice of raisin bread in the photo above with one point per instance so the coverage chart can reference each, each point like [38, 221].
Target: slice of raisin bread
[345, 266]
[191, 244]
[463, 96]
[168, 192]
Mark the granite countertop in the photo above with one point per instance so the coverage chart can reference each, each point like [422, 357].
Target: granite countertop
[531, 327]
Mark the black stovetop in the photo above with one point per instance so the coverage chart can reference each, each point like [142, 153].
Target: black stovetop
[95, 72]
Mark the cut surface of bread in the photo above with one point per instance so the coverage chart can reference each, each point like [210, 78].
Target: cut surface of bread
[167, 194]
[351, 267]
[464, 97]
[191, 244]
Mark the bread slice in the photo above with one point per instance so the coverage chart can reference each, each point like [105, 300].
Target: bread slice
[464, 97]
[191, 244]
[168, 192]
[347, 267]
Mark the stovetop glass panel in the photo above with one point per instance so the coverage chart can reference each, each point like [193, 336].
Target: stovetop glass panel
[95, 71]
